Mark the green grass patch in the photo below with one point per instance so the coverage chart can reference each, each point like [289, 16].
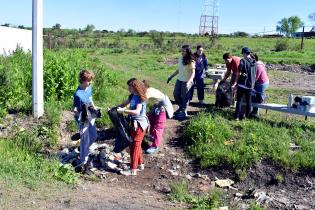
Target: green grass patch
[180, 192]
[23, 166]
[218, 141]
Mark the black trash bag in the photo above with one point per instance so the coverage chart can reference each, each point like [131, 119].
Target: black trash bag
[95, 113]
[122, 128]
[223, 95]
[258, 97]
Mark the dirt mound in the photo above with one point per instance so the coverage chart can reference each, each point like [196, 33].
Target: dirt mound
[292, 68]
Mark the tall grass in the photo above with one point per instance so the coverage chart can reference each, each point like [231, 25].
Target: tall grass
[23, 165]
[218, 141]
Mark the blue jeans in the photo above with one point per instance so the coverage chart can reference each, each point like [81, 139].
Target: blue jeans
[198, 80]
[260, 89]
[243, 93]
[181, 95]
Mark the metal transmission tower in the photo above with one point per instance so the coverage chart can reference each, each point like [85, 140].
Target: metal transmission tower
[209, 18]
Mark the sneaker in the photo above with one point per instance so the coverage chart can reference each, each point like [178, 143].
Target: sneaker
[201, 103]
[177, 111]
[141, 167]
[84, 169]
[151, 150]
[181, 115]
[128, 173]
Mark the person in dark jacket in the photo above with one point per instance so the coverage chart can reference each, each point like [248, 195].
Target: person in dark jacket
[245, 83]
[201, 68]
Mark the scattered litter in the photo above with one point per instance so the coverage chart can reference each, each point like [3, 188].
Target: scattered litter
[111, 165]
[166, 190]
[114, 180]
[188, 177]
[173, 172]
[294, 146]
[198, 175]
[229, 142]
[224, 182]
[262, 198]
[238, 195]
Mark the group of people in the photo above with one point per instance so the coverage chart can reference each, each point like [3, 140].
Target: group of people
[247, 75]
[249, 80]
[135, 109]
[191, 70]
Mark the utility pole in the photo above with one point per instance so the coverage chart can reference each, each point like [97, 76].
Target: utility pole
[37, 59]
[302, 42]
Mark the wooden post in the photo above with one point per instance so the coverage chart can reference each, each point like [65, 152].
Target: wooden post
[49, 41]
[302, 42]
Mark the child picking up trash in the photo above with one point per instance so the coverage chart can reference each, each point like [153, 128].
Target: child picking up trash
[84, 114]
[136, 112]
[162, 108]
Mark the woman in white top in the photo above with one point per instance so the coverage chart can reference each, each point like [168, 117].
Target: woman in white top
[162, 108]
[186, 74]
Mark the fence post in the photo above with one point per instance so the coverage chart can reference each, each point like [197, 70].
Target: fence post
[302, 42]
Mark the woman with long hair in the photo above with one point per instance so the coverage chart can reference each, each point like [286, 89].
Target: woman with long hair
[162, 108]
[261, 84]
[135, 108]
[184, 82]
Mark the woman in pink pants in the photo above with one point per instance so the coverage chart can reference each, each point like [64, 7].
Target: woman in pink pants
[162, 109]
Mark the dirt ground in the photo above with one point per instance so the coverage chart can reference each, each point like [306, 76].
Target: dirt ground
[150, 189]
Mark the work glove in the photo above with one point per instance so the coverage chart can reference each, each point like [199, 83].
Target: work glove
[121, 110]
[207, 73]
[169, 79]
[221, 82]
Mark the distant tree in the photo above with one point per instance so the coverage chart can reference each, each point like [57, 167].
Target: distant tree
[131, 32]
[240, 34]
[21, 27]
[6, 25]
[89, 28]
[290, 25]
[57, 26]
[157, 38]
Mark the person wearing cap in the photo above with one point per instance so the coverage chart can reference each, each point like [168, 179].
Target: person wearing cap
[232, 64]
[245, 83]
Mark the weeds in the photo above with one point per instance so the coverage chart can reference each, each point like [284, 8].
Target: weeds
[22, 166]
[220, 142]
[180, 192]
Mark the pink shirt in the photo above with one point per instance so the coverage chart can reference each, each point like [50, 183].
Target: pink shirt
[261, 74]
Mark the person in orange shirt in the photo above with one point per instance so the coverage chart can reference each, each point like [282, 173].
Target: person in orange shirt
[232, 64]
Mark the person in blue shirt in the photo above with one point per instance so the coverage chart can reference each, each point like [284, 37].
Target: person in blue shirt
[135, 108]
[82, 106]
[201, 68]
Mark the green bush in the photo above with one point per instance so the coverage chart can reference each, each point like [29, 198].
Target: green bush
[282, 45]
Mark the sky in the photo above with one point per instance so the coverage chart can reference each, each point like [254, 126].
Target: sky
[253, 16]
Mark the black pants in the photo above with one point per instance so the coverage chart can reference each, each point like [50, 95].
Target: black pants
[246, 93]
